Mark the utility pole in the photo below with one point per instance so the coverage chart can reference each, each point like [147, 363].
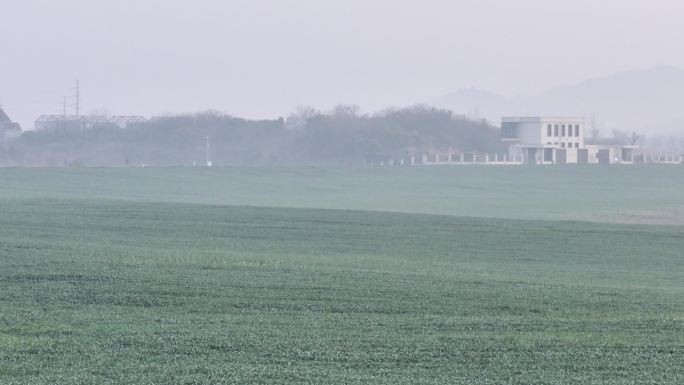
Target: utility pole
[78, 97]
[64, 106]
[208, 161]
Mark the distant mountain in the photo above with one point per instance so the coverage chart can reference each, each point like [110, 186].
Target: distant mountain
[470, 101]
[649, 101]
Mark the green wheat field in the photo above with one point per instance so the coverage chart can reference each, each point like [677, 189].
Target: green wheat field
[425, 275]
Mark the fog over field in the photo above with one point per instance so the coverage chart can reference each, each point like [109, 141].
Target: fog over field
[342, 192]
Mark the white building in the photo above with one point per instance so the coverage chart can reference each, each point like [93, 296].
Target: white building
[557, 140]
[543, 139]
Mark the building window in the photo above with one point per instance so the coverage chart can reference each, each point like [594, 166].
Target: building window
[563, 145]
[563, 130]
[555, 130]
[576, 145]
[577, 130]
[548, 130]
[509, 130]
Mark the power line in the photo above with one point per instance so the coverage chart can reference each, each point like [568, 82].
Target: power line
[72, 101]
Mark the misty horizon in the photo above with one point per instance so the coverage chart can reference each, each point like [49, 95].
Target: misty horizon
[261, 60]
[472, 112]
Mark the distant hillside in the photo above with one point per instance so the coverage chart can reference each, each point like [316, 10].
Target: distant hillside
[649, 101]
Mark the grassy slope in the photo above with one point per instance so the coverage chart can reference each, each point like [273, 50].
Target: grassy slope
[110, 291]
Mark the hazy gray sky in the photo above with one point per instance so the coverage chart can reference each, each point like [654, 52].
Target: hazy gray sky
[262, 58]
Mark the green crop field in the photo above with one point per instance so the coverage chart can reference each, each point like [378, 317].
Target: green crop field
[432, 275]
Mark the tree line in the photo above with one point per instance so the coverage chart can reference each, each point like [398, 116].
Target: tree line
[343, 136]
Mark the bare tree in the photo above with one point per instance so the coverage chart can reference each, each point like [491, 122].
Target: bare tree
[595, 132]
[299, 118]
[620, 137]
[346, 110]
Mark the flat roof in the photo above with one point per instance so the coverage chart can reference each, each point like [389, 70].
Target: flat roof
[540, 119]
